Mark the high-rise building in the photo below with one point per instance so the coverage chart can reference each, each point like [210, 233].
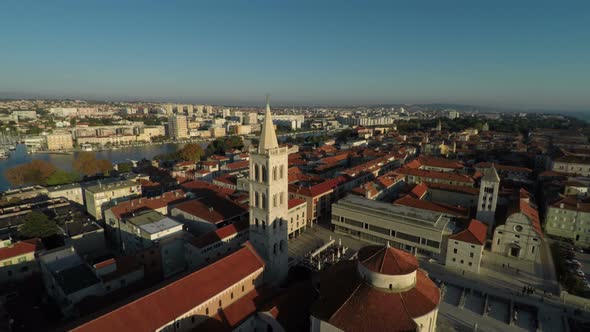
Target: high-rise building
[168, 109]
[488, 198]
[178, 126]
[179, 109]
[189, 109]
[268, 188]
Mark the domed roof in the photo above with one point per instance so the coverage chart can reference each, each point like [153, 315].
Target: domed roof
[387, 260]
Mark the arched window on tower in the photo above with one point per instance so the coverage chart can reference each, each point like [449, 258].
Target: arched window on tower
[264, 174]
[256, 221]
[281, 198]
[274, 249]
[264, 202]
[283, 245]
[256, 173]
[274, 200]
[281, 171]
[263, 224]
[256, 199]
[274, 173]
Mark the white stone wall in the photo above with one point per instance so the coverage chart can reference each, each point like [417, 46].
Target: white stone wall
[464, 256]
[517, 233]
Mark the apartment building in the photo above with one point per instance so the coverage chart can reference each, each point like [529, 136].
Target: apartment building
[569, 218]
[59, 141]
[98, 194]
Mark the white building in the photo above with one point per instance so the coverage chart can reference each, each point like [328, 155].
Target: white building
[521, 236]
[268, 201]
[465, 249]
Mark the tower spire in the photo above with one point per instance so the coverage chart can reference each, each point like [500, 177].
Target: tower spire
[268, 137]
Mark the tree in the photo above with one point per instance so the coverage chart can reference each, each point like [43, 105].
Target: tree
[191, 152]
[87, 164]
[62, 177]
[125, 167]
[35, 172]
[38, 225]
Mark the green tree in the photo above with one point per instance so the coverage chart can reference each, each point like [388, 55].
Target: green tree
[125, 167]
[192, 152]
[62, 177]
[38, 225]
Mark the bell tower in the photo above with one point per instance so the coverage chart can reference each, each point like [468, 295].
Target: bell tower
[268, 186]
[488, 198]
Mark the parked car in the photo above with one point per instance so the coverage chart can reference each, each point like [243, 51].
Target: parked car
[573, 262]
[579, 273]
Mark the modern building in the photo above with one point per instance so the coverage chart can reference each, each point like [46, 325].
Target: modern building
[488, 198]
[100, 193]
[384, 290]
[569, 218]
[407, 228]
[465, 249]
[178, 126]
[269, 191]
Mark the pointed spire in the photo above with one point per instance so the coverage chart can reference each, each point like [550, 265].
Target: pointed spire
[268, 137]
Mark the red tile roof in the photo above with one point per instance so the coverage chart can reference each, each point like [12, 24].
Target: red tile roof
[155, 203]
[238, 165]
[212, 208]
[440, 162]
[20, 248]
[435, 175]
[164, 305]
[452, 187]
[220, 234]
[293, 202]
[350, 304]
[318, 189]
[475, 233]
[572, 204]
[528, 210]
[387, 260]
[436, 207]
[419, 190]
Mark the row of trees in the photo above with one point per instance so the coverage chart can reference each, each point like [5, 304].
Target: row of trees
[194, 152]
[41, 172]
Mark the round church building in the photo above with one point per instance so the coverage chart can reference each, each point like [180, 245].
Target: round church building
[384, 290]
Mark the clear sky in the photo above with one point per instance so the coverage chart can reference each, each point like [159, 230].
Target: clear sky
[523, 54]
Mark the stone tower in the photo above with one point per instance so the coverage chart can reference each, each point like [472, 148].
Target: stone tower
[438, 126]
[268, 188]
[488, 198]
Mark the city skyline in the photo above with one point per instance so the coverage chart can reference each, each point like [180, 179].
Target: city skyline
[497, 55]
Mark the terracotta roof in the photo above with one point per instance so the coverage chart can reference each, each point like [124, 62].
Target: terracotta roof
[501, 167]
[436, 207]
[572, 204]
[440, 162]
[528, 210]
[19, 248]
[452, 187]
[212, 208]
[350, 304]
[164, 305]
[238, 165]
[419, 190]
[293, 202]
[220, 234]
[143, 203]
[475, 233]
[199, 187]
[318, 189]
[387, 260]
[435, 175]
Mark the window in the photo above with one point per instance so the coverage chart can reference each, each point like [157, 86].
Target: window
[206, 311]
[256, 221]
[281, 171]
[274, 173]
[256, 173]
[471, 254]
[470, 263]
[264, 175]
[461, 261]
[242, 288]
[498, 243]
[219, 303]
[263, 224]
[455, 251]
[532, 250]
[232, 295]
[454, 259]
[192, 319]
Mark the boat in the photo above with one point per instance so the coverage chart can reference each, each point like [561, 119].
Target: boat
[12, 148]
[3, 154]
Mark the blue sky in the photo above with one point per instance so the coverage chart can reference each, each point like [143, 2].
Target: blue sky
[523, 54]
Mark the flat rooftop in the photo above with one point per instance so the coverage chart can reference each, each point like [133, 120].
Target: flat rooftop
[106, 185]
[153, 222]
[406, 214]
